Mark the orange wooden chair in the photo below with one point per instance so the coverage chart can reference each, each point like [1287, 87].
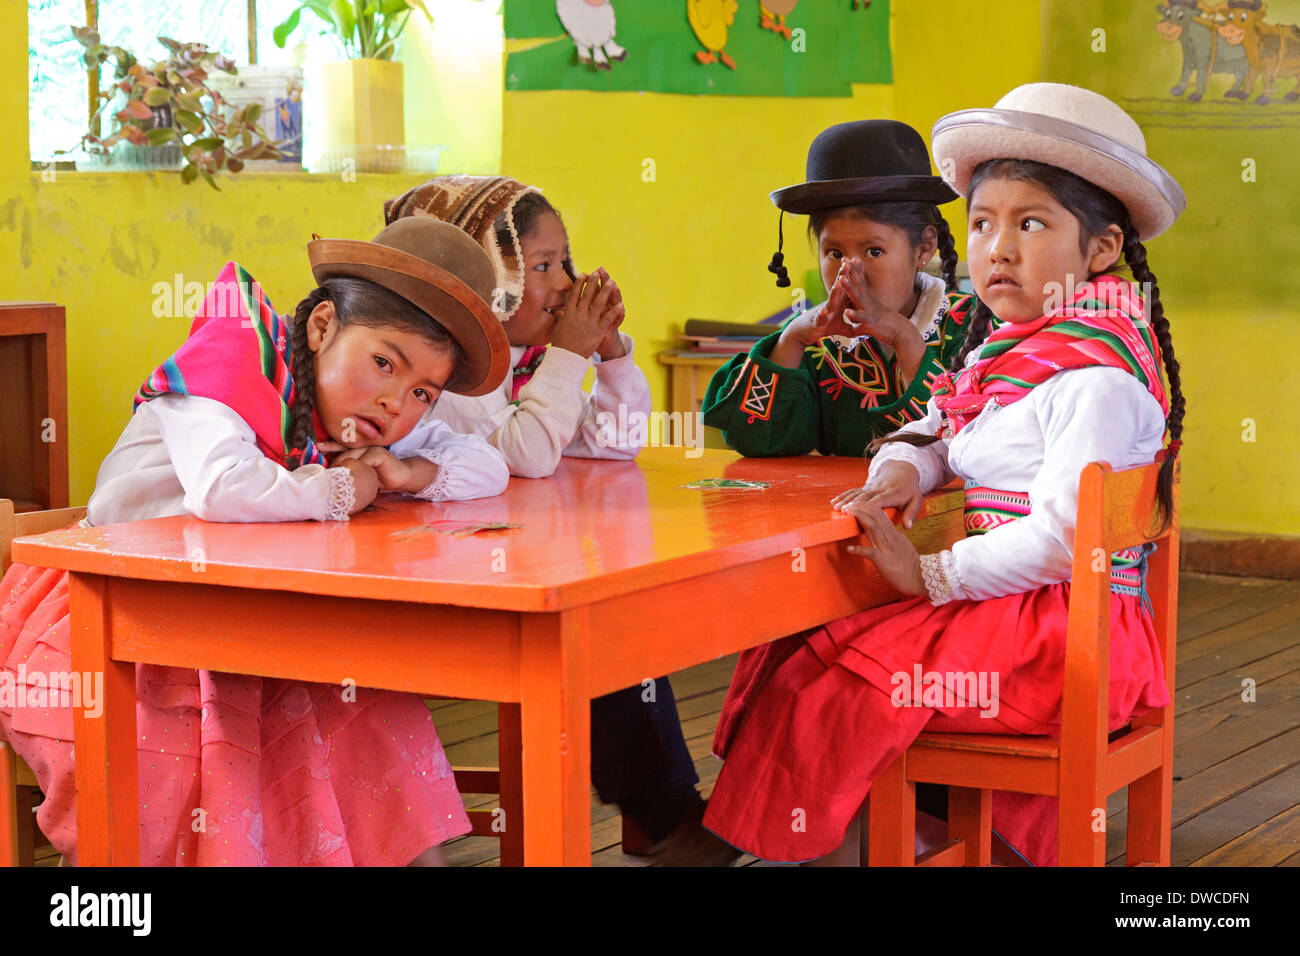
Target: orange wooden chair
[1084, 765]
[19, 835]
[506, 822]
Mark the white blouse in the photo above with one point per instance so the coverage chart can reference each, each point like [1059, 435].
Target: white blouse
[553, 416]
[183, 454]
[1038, 445]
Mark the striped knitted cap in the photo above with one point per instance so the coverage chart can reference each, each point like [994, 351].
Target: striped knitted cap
[475, 203]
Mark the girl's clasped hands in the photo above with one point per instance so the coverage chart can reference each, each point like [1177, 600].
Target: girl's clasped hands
[375, 469]
[593, 311]
[852, 310]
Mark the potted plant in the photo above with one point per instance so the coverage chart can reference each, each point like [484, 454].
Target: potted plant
[360, 99]
[168, 108]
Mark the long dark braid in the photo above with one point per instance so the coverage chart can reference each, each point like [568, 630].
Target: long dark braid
[947, 254]
[304, 374]
[1135, 254]
[979, 322]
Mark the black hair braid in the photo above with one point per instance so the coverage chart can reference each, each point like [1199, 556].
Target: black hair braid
[979, 322]
[304, 375]
[947, 254]
[1135, 254]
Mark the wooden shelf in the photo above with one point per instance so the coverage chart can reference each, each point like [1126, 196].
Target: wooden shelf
[33, 405]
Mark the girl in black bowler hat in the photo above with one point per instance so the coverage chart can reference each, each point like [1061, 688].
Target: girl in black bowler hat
[861, 364]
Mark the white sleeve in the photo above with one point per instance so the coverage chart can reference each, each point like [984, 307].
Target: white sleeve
[1086, 415]
[930, 461]
[533, 434]
[226, 477]
[618, 383]
[468, 467]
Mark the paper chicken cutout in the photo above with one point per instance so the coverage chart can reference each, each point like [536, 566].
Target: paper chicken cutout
[710, 19]
[590, 24]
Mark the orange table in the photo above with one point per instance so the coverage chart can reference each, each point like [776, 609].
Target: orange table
[618, 575]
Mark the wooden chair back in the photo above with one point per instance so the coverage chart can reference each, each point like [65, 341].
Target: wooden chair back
[17, 782]
[1116, 510]
[15, 525]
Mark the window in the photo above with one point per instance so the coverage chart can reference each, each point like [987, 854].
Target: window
[58, 90]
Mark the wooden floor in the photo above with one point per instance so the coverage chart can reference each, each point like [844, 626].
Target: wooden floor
[1236, 762]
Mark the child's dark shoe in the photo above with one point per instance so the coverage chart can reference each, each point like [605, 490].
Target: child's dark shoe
[690, 844]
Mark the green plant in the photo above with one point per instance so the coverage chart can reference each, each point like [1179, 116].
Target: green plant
[366, 29]
[169, 102]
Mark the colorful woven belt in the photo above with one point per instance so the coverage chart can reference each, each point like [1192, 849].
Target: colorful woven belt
[989, 508]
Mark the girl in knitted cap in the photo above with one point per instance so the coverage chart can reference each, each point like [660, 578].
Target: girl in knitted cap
[1062, 367]
[557, 322]
[231, 428]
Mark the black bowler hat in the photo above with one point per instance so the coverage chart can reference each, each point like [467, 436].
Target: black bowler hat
[863, 162]
[849, 164]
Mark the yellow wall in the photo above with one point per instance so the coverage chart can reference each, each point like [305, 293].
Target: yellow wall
[1226, 269]
[695, 242]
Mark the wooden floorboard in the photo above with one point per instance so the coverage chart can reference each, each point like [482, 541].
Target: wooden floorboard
[1236, 772]
[1236, 798]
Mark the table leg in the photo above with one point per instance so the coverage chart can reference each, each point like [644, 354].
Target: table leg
[108, 826]
[555, 718]
[510, 783]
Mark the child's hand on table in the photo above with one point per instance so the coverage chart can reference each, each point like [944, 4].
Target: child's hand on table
[890, 551]
[389, 472]
[895, 484]
[593, 308]
[365, 483]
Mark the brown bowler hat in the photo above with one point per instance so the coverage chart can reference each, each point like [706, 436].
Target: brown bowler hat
[439, 269]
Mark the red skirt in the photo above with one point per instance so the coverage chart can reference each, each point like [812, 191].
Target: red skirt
[232, 769]
[810, 721]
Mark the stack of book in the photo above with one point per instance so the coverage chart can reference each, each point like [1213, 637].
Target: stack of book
[721, 338]
[710, 337]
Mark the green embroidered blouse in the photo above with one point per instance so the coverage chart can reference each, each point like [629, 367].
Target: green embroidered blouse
[844, 394]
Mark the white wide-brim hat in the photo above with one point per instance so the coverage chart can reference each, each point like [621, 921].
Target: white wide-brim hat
[1068, 127]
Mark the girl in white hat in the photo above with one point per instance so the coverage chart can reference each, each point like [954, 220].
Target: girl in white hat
[1062, 367]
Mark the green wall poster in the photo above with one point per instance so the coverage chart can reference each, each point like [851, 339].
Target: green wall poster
[723, 47]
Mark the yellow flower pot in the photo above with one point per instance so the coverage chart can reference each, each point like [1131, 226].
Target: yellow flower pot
[357, 115]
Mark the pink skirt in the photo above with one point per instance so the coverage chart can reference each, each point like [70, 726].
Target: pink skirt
[234, 770]
[811, 720]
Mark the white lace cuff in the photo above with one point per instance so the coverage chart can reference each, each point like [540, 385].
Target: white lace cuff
[940, 574]
[343, 495]
[435, 490]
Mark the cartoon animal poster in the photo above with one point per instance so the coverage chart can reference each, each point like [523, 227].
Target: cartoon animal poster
[592, 25]
[1226, 65]
[724, 47]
